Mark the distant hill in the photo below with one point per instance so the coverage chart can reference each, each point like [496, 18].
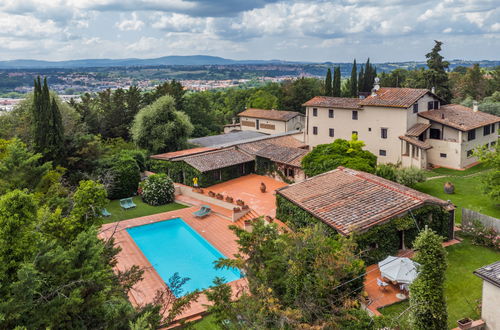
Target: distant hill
[165, 60]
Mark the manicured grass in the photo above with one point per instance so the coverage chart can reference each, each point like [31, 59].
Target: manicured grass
[206, 323]
[446, 171]
[462, 288]
[468, 194]
[142, 209]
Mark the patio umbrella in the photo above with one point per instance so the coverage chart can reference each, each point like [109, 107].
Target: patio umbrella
[401, 270]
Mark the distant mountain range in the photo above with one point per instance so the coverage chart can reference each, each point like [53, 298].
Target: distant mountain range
[165, 60]
[200, 60]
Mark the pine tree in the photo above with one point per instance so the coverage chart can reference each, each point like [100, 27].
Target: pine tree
[354, 80]
[336, 82]
[437, 76]
[328, 83]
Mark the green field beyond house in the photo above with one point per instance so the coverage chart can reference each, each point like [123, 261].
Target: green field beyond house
[142, 209]
[462, 288]
[468, 190]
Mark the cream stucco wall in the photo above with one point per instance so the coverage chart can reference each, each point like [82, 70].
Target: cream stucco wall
[490, 312]
[368, 125]
[413, 118]
[480, 141]
[279, 126]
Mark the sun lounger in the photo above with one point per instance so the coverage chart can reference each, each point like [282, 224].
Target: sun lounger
[127, 203]
[105, 213]
[203, 211]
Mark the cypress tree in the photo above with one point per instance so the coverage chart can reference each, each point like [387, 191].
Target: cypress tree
[354, 80]
[368, 79]
[47, 123]
[336, 82]
[328, 83]
[361, 79]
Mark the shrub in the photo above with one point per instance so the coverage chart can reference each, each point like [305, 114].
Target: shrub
[409, 176]
[481, 235]
[386, 171]
[158, 189]
[125, 179]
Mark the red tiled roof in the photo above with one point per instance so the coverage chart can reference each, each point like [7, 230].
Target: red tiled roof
[417, 129]
[282, 154]
[286, 141]
[395, 97]
[350, 200]
[279, 115]
[181, 153]
[333, 102]
[421, 144]
[217, 159]
[459, 117]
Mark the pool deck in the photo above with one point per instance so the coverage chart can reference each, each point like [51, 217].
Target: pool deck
[212, 227]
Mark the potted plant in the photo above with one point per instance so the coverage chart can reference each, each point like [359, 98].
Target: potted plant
[449, 188]
[219, 196]
[244, 207]
[269, 219]
[239, 202]
[464, 323]
[229, 199]
[236, 209]
[211, 193]
[262, 187]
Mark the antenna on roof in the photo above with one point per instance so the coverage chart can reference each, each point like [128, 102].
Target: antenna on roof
[433, 90]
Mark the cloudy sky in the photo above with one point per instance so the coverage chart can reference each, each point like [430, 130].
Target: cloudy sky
[337, 30]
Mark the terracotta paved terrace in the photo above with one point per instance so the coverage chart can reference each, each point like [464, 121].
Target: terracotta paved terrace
[213, 228]
[247, 188]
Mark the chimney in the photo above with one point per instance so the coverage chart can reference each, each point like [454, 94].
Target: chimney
[475, 106]
[376, 86]
[234, 120]
[433, 90]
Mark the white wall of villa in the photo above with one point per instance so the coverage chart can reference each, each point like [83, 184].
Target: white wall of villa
[490, 310]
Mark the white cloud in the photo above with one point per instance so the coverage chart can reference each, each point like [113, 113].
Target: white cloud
[133, 24]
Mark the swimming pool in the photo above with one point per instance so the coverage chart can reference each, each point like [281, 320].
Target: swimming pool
[173, 246]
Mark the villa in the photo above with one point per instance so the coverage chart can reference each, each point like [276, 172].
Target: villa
[403, 125]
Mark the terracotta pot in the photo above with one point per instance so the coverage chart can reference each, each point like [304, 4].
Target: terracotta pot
[263, 187]
[244, 207]
[211, 194]
[449, 188]
[219, 196]
[464, 323]
[240, 202]
[229, 199]
[236, 209]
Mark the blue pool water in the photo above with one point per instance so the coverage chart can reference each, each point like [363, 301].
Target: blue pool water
[173, 246]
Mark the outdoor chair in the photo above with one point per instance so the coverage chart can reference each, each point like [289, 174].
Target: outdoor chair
[203, 211]
[105, 213]
[381, 284]
[127, 203]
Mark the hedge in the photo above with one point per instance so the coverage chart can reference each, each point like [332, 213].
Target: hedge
[184, 173]
[381, 240]
[125, 177]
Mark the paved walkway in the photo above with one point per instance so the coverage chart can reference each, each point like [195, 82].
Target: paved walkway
[247, 188]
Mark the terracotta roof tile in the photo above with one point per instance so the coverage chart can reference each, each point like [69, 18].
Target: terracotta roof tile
[490, 273]
[459, 117]
[394, 97]
[417, 129]
[181, 153]
[333, 102]
[281, 154]
[421, 144]
[349, 200]
[280, 115]
[217, 159]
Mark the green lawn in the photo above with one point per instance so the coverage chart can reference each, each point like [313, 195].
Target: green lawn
[206, 323]
[447, 171]
[462, 288]
[468, 194]
[142, 209]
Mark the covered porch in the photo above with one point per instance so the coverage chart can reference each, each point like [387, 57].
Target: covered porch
[414, 152]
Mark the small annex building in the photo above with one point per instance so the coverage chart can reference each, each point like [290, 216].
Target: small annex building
[490, 304]
[268, 121]
[278, 156]
[383, 215]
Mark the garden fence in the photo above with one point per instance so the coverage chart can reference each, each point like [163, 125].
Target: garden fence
[490, 222]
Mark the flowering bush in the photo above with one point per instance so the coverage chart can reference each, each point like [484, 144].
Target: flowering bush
[157, 189]
[481, 235]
